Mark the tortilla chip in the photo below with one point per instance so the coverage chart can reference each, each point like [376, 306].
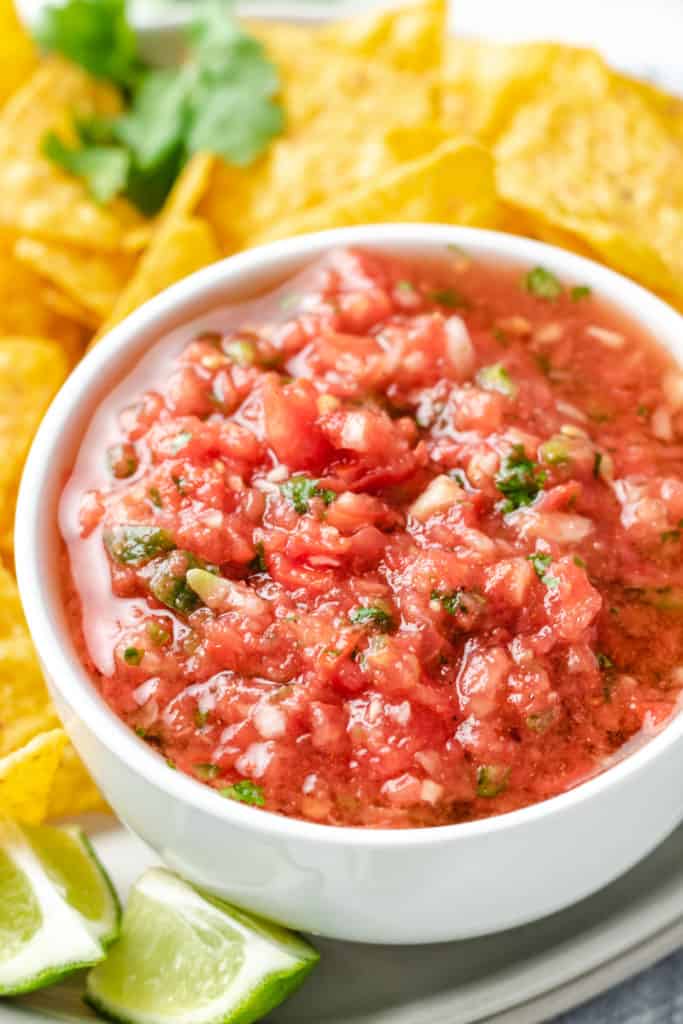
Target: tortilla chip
[73, 791]
[31, 371]
[27, 776]
[410, 37]
[66, 307]
[26, 710]
[330, 153]
[23, 313]
[18, 57]
[189, 188]
[453, 185]
[180, 247]
[92, 280]
[36, 198]
[601, 162]
[484, 83]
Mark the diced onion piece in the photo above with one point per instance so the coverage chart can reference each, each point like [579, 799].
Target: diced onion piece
[269, 721]
[611, 339]
[431, 792]
[660, 424]
[517, 325]
[672, 385]
[459, 347]
[561, 527]
[438, 497]
[548, 333]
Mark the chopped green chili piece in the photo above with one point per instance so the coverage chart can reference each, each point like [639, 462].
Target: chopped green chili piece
[170, 586]
[122, 460]
[246, 792]
[519, 479]
[497, 378]
[157, 634]
[540, 562]
[135, 545]
[171, 764]
[580, 291]
[555, 451]
[542, 283]
[155, 497]
[405, 286]
[579, 562]
[604, 661]
[133, 655]
[241, 351]
[492, 779]
[371, 615]
[206, 771]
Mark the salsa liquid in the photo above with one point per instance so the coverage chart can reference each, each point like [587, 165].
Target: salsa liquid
[398, 544]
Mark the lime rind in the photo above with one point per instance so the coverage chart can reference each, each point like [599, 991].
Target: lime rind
[110, 926]
[208, 963]
[61, 942]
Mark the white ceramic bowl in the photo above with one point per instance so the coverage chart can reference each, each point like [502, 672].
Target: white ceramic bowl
[405, 886]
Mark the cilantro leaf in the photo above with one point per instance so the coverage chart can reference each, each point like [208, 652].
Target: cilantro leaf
[300, 489]
[542, 283]
[221, 99]
[94, 34]
[451, 600]
[540, 562]
[519, 479]
[370, 615]
[103, 168]
[246, 792]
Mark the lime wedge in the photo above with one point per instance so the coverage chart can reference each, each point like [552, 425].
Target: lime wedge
[186, 958]
[49, 926]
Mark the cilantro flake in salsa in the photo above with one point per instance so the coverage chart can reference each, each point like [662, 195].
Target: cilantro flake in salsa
[373, 557]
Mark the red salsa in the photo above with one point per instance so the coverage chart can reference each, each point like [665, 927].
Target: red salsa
[398, 544]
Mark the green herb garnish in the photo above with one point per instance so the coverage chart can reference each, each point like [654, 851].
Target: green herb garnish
[604, 661]
[300, 489]
[258, 562]
[448, 297]
[371, 615]
[206, 771]
[519, 479]
[579, 292]
[450, 600]
[246, 792]
[157, 634]
[542, 283]
[220, 99]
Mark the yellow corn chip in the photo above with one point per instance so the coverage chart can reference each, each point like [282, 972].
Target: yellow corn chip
[36, 198]
[26, 710]
[23, 313]
[73, 791]
[92, 280]
[31, 371]
[352, 141]
[27, 776]
[60, 303]
[181, 246]
[484, 83]
[18, 57]
[601, 162]
[453, 185]
[189, 188]
[409, 37]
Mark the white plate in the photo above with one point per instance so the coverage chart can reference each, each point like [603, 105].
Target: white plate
[529, 974]
[523, 976]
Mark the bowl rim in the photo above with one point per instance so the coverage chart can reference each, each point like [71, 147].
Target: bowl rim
[69, 676]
